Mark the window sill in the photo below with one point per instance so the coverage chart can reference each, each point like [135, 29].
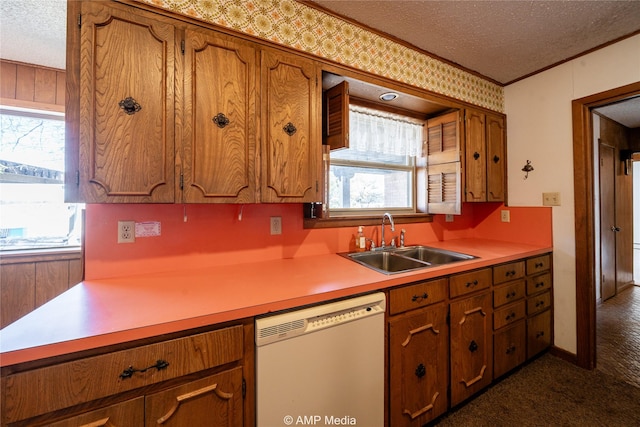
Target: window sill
[310, 223]
[35, 255]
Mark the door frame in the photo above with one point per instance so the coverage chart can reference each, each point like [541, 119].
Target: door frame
[585, 232]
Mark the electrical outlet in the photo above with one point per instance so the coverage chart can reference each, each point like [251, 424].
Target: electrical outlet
[448, 218]
[126, 231]
[276, 225]
[505, 216]
[551, 199]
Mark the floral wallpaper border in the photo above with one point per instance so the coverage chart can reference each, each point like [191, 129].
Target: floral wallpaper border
[304, 28]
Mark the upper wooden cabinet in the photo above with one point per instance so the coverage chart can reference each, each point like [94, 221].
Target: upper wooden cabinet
[125, 128]
[484, 157]
[219, 133]
[291, 134]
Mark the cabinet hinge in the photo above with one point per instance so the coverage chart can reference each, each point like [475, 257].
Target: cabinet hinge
[244, 388]
[181, 182]
[79, 20]
[182, 46]
[77, 178]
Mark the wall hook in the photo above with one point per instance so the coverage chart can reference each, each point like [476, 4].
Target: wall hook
[527, 168]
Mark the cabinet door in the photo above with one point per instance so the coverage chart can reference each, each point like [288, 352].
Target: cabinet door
[292, 142]
[443, 138]
[125, 414]
[538, 333]
[219, 135]
[509, 348]
[213, 401]
[418, 366]
[475, 157]
[471, 346]
[496, 183]
[126, 138]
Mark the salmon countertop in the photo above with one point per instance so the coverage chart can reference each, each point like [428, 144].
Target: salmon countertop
[97, 313]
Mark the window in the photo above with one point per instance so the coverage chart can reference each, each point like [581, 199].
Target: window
[32, 209]
[377, 173]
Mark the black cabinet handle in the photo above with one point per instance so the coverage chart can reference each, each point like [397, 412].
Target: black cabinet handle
[421, 371]
[539, 265]
[472, 284]
[476, 155]
[540, 334]
[418, 298]
[130, 105]
[473, 346]
[289, 129]
[496, 159]
[511, 349]
[220, 120]
[128, 373]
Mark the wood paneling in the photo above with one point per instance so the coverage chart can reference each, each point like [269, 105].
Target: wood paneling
[28, 281]
[32, 86]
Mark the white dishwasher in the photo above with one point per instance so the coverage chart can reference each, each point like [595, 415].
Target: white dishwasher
[322, 365]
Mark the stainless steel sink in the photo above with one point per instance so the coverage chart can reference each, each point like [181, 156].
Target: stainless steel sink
[432, 255]
[402, 260]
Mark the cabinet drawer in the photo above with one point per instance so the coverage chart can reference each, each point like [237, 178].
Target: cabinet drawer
[506, 272]
[538, 333]
[509, 348]
[538, 284]
[508, 293]
[417, 295]
[509, 314]
[538, 264]
[83, 380]
[465, 283]
[538, 303]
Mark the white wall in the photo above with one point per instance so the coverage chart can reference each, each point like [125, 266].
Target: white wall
[539, 129]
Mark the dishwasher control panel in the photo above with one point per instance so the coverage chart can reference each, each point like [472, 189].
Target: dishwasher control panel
[286, 325]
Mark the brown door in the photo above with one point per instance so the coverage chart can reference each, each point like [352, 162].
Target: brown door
[607, 222]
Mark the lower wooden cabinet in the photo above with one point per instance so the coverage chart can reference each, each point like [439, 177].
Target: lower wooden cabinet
[509, 348]
[204, 379]
[538, 333]
[418, 361]
[471, 346]
[215, 401]
[129, 413]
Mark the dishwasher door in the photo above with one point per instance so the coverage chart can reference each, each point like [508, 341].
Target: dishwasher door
[322, 365]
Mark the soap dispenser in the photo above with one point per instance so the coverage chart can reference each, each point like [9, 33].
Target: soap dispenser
[361, 242]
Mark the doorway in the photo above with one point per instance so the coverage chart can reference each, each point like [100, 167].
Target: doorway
[585, 224]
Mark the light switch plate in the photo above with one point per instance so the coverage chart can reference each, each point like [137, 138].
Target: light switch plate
[276, 225]
[505, 216]
[550, 199]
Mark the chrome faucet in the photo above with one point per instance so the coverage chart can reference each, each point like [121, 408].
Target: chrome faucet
[393, 227]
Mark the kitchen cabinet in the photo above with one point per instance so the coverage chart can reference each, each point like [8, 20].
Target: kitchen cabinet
[197, 379]
[121, 144]
[219, 134]
[129, 413]
[539, 305]
[418, 353]
[291, 128]
[214, 401]
[168, 112]
[485, 154]
[509, 338]
[443, 164]
[471, 336]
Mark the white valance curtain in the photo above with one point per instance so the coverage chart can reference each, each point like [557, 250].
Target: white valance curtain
[384, 133]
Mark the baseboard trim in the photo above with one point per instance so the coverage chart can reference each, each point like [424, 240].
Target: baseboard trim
[564, 355]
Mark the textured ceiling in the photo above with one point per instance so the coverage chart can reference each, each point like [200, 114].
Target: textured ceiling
[502, 40]
[34, 31]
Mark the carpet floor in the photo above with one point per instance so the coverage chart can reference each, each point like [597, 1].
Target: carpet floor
[552, 392]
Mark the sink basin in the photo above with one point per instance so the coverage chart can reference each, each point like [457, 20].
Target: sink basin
[402, 260]
[432, 255]
[387, 261]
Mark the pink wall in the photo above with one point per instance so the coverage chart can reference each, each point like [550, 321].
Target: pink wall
[214, 234]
